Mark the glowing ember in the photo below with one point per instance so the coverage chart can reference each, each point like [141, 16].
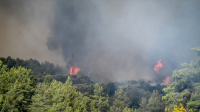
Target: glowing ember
[167, 80]
[74, 70]
[159, 65]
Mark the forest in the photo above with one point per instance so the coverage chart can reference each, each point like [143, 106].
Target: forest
[28, 85]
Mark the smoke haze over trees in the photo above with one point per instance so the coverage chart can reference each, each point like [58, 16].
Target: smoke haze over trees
[19, 91]
[117, 39]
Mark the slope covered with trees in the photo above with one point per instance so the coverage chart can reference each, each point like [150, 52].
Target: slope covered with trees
[40, 70]
[20, 91]
[17, 86]
[185, 88]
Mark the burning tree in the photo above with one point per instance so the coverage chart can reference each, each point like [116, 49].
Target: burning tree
[159, 65]
[74, 70]
[185, 88]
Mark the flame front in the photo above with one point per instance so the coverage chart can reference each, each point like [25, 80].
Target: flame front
[159, 65]
[74, 70]
[156, 69]
[167, 80]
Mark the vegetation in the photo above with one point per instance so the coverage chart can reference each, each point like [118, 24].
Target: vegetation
[24, 90]
[185, 88]
[17, 86]
[43, 69]
[39, 70]
[178, 109]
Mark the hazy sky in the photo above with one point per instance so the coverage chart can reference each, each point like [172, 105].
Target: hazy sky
[25, 27]
[118, 39]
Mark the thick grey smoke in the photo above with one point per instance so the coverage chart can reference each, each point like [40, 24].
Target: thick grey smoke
[25, 26]
[118, 39]
[124, 39]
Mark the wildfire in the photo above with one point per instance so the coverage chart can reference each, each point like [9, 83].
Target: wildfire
[167, 80]
[156, 69]
[74, 70]
[159, 65]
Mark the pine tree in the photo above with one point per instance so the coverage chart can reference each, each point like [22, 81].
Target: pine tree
[99, 102]
[59, 97]
[155, 103]
[143, 105]
[17, 88]
[120, 100]
[185, 88]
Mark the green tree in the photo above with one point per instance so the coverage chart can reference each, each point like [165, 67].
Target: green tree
[155, 103]
[143, 104]
[4, 78]
[48, 79]
[120, 100]
[59, 97]
[135, 94]
[39, 70]
[184, 89]
[17, 88]
[99, 102]
[90, 89]
[194, 102]
[126, 109]
[109, 89]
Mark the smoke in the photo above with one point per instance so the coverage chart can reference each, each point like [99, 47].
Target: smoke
[25, 27]
[117, 39]
[124, 39]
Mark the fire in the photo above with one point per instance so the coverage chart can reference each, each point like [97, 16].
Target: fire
[159, 65]
[74, 70]
[156, 69]
[167, 80]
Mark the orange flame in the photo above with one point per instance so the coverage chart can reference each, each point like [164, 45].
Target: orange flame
[74, 70]
[167, 80]
[159, 65]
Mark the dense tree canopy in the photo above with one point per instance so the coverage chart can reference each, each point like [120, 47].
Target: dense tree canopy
[155, 103]
[57, 92]
[40, 70]
[185, 88]
[57, 96]
[120, 100]
[17, 86]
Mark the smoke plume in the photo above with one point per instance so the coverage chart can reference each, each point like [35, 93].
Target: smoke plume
[117, 39]
[125, 39]
[25, 27]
